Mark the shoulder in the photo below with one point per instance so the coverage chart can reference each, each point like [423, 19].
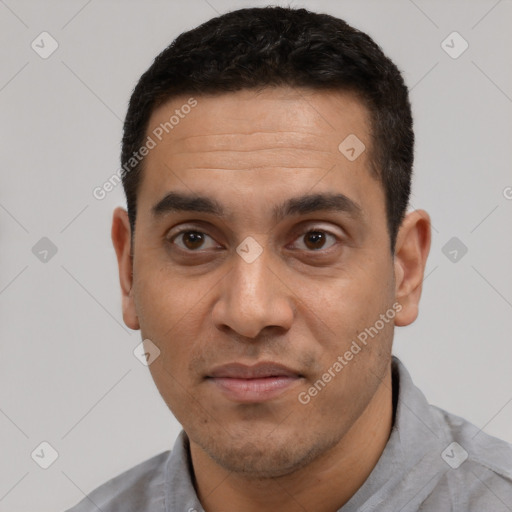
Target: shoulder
[482, 449]
[478, 473]
[139, 488]
[447, 462]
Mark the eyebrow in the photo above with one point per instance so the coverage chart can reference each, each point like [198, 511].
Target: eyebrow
[301, 205]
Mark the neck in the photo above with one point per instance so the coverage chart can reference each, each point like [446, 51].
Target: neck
[348, 464]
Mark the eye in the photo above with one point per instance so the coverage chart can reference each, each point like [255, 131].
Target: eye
[315, 239]
[191, 240]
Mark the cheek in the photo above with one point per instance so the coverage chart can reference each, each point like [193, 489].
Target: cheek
[177, 392]
[163, 297]
[348, 302]
[170, 311]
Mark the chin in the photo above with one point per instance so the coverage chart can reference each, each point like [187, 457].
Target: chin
[266, 457]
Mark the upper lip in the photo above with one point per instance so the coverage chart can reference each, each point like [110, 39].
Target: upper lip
[260, 370]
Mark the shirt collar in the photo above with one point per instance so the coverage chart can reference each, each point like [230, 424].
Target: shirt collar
[413, 445]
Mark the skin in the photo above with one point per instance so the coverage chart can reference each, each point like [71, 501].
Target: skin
[299, 303]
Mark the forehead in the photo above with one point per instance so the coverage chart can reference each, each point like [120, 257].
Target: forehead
[247, 120]
[288, 137]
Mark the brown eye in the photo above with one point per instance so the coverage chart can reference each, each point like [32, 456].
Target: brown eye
[190, 240]
[315, 240]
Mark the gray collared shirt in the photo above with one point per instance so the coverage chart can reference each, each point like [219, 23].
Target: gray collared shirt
[434, 461]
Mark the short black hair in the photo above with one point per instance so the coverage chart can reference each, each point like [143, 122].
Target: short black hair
[262, 47]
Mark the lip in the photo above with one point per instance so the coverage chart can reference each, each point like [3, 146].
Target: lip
[251, 384]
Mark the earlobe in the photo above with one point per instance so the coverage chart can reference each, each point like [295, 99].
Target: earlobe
[412, 248]
[121, 239]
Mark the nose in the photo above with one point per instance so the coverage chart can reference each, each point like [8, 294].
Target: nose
[253, 297]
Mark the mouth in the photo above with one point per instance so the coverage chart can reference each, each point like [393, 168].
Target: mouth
[252, 384]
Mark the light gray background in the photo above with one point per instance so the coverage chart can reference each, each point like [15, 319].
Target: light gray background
[68, 373]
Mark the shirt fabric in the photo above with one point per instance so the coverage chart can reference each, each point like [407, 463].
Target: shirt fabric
[433, 461]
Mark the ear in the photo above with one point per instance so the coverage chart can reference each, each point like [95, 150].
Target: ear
[121, 238]
[411, 252]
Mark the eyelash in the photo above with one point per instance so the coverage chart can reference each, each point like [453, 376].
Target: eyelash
[311, 230]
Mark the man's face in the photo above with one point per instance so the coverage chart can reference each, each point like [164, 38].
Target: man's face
[249, 287]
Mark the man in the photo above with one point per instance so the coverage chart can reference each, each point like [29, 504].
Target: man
[266, 256]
